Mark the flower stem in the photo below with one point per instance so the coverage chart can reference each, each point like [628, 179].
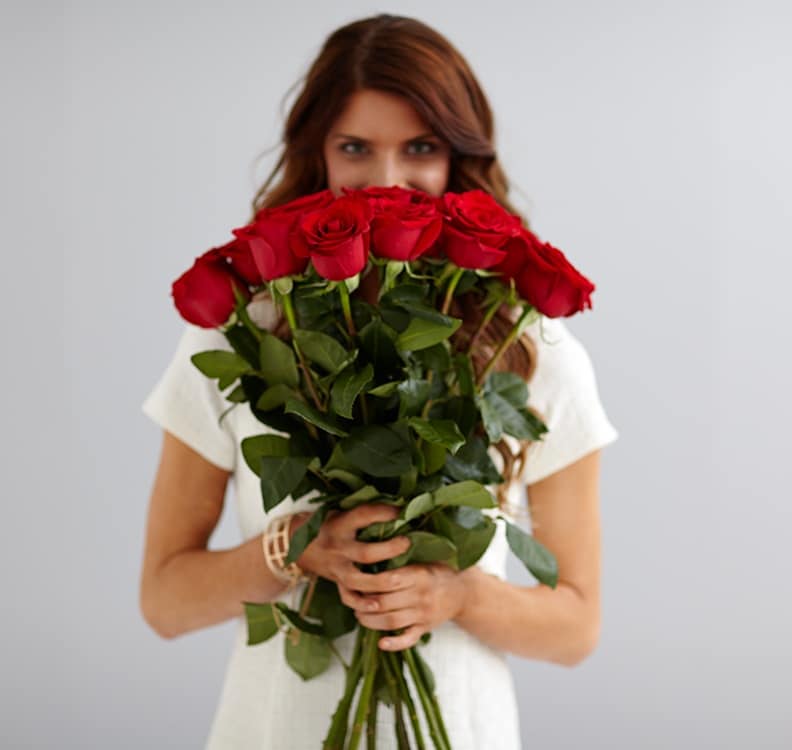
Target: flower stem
[369, 673]
[436, 728]
[346, 307]
[398, 697]
[396, 666]
[450, 289]
[488, 316]
[288, 309]
[336, 735]
[505, 344]
[371, 723]
[249, 324]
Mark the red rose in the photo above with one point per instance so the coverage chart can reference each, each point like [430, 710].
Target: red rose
[552, 284]
[517, 250]
[203, 294]
[267, 236]
[335, 238]
[476, 227]
[241, 259]
[405, 224]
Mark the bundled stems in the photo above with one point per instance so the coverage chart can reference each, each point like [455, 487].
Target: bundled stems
[437, 729]
[336, 735]
[369, 673]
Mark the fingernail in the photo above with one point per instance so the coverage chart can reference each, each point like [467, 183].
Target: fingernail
[386, 643]
[372, 605]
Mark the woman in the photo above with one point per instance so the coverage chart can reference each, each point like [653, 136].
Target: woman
[387, 102]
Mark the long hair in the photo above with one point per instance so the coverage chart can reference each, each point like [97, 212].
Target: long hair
[405, 57]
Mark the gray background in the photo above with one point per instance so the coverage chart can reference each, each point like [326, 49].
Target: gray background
[648, 140]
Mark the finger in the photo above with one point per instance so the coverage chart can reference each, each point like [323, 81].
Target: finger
[404, 640]
[371, 552]
[357, 601]
[401, 618]
[387, 580]
[348, 522]
[391, 601]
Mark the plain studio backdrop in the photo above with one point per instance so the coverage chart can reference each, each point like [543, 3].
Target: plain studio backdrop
[647, 140]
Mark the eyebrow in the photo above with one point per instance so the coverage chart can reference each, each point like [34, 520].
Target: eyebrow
[363, 140]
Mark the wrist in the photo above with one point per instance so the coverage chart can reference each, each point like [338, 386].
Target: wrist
[469, 581]
[275, 542]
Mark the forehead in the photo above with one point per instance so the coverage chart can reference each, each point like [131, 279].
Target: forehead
[379, 115]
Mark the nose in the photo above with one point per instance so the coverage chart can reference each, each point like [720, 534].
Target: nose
[388, 171]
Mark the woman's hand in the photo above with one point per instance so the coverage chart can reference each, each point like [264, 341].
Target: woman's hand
[421, 597]
[417, 597]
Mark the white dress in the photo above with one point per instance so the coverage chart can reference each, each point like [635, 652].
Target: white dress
[263, 704]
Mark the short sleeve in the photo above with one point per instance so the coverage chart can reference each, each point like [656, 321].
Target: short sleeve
[564, 391]
[188, 404]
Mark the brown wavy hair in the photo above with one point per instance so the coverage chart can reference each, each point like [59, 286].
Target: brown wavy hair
[405, 57]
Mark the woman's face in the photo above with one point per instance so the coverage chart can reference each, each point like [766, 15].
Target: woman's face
[379, 140]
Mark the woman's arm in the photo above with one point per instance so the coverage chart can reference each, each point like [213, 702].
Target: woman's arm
[183, 585]
[558, 625]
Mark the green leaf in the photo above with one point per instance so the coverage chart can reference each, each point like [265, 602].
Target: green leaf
[297, 621]
[305, 534]
[222, 364]
[362, 495]
[467, 493]
[460, 410]
[244, 343]
[465, 376]
[534, 555]
[347, 387]
[425, 548]
[500, 416]
[441, 431]
[279, 476]
[351, 480]
[261, 623]
[309, 656]
[277, 362]
[314, 416]
[434, 457]
[413, 394]
[422, 333]
[380, 531]
[326, 605]
[469, 529]
[237, 396]
[376, 339]
[322, 349]
[275, 396]
[418, 506]
[472, 461]
[510, 386]
[257, 446]
[385, 389]
[378, 450]
[435, 358]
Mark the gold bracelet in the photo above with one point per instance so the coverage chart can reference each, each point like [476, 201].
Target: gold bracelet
[275, 542]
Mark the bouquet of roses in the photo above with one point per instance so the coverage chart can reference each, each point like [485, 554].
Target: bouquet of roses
[378, 400]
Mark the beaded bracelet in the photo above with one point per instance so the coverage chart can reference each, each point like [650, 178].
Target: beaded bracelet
[275, 542]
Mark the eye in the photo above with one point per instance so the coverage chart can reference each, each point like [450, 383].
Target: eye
[423, 147]
[351, 148]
